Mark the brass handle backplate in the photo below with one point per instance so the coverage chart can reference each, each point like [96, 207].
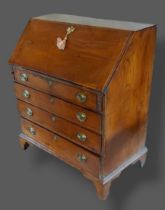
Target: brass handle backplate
[32, 131]
[23, 77]
[61, 43]
[81, 158]
[81, 116]
[81, 136]
[81, 97]
[29, 112]
[26, 94]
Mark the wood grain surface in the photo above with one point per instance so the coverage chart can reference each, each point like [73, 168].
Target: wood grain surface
[127, 101]
[58, 88]
[60, 126]
[60, 107]
[89, 59]
[62, 148]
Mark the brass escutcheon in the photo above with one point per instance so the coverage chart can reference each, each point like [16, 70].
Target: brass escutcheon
[55, 137]
[50, 83]
[61, 43]
[52, 99]
[53, 118]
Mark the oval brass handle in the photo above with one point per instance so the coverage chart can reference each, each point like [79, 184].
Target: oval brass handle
[81, 116]
[81, 97]
[81, 158]
[32, 131]
[81, 136]
[29, 112]
[23, 77]
[26, 94]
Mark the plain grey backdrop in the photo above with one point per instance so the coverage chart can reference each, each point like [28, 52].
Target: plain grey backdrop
[36, 180]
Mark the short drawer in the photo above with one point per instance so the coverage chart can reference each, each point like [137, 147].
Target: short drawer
[77, 134]
[58, 88]
[73, 113]
[63, 149]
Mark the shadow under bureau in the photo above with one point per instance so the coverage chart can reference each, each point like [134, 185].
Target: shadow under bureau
[82, 87]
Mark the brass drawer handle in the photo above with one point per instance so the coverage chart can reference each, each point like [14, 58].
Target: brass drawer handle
[23, 77]
[81, 97]
[29, 112]
[61, 43]
[26, 94]
[81, 116]
[81, 136]
[81, 158]
[32, 131]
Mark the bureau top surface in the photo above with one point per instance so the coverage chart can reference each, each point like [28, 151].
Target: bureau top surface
[92, 51]
[123, 25]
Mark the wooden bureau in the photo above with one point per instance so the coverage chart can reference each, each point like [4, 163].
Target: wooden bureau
[82, 87]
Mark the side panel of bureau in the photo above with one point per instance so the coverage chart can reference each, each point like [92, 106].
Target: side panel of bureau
[126, 102]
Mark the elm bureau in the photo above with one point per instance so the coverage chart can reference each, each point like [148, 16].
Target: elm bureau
[83, 87]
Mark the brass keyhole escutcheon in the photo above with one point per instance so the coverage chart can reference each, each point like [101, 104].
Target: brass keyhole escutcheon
[53, 117]
[55, 138]
[50, 83]
[61, 43]
[51, 99]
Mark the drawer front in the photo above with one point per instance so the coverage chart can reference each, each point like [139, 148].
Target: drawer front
[73, 113]
[60, 126]
[55, 87]
[65, 150]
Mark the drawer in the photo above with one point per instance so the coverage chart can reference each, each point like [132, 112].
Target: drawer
[73, 113]
[61, 148]
[57, 88]
[77, 134]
